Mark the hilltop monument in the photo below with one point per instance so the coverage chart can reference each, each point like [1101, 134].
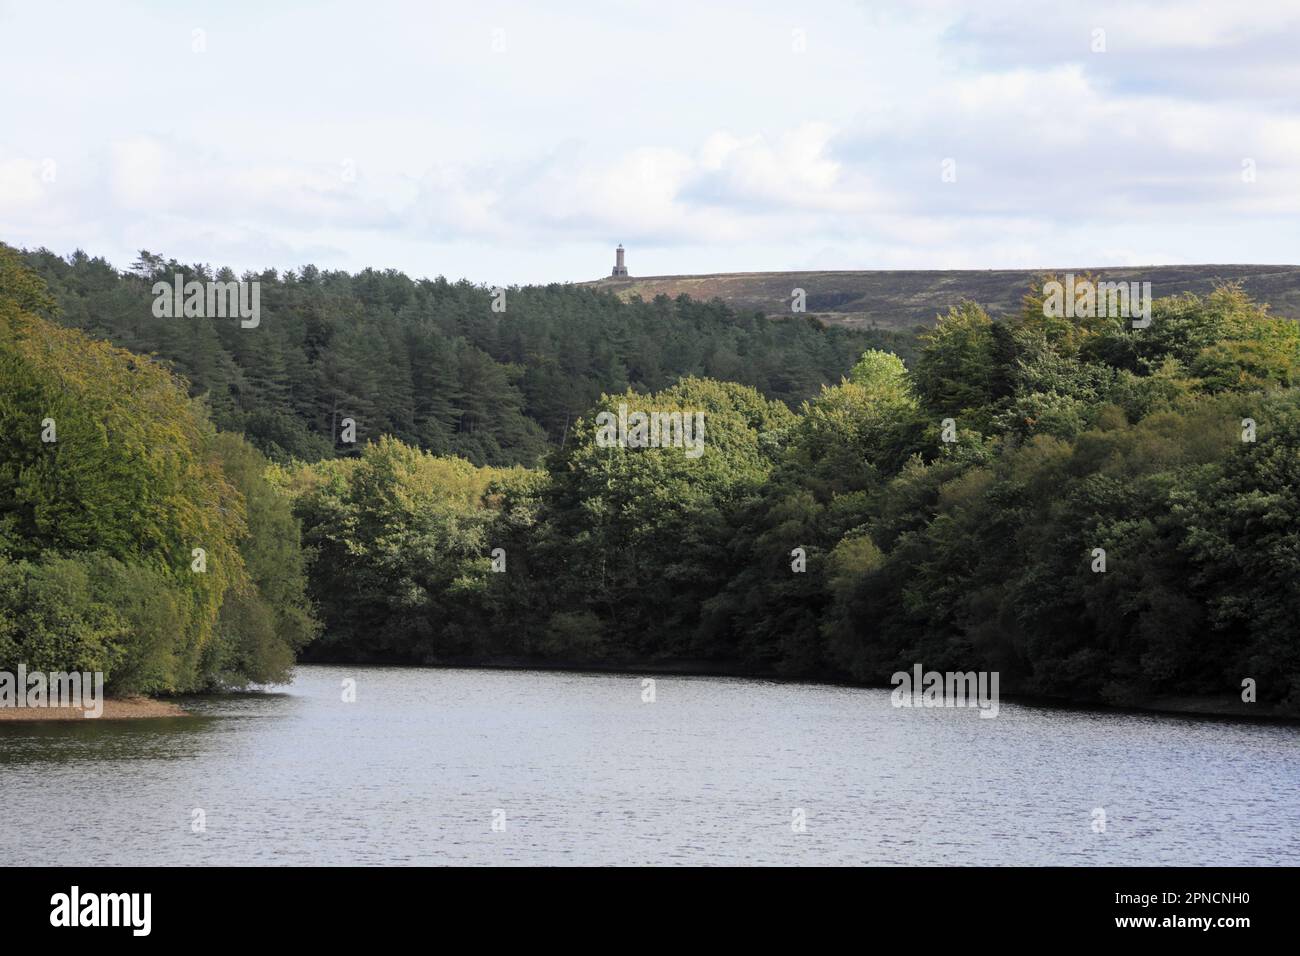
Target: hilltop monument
[619, 268]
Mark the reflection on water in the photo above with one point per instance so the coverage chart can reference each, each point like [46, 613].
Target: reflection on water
[587, 773]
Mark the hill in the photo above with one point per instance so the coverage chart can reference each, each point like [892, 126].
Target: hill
[901, 299]
[431, 362]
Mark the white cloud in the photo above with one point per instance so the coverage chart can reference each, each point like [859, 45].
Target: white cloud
[694, 135]
[20, 183]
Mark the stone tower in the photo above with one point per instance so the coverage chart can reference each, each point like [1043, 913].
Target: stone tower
[619, 268]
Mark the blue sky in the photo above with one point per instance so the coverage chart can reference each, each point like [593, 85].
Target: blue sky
[511, 142]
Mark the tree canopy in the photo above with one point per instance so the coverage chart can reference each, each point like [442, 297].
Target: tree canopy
[124, 517]
[1098, 511]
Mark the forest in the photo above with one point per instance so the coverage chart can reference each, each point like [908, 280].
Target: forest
[430, 362]
[1099, 512]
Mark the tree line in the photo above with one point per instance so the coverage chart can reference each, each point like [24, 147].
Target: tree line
[430, 362]
[1097, 511]
[1115, 518]
[135, 539]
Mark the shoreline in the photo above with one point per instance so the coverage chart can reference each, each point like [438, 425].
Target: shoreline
[115, 708]
[1227, 706]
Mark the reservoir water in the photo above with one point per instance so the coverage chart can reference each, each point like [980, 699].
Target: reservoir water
[432, 766]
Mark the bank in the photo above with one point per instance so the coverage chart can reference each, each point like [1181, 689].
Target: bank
[115, 708]
[1211, 706]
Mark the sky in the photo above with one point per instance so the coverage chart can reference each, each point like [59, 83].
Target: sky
[519, 143]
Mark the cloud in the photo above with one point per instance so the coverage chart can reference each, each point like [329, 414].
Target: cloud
[149, 176]
[721, 190]
[1050, 143]
[1216, 50]
[20, 184]
[701, 139]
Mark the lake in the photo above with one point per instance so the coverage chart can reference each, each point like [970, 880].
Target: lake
[433, 766]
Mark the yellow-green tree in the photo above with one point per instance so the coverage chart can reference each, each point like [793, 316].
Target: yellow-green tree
[120, 533]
